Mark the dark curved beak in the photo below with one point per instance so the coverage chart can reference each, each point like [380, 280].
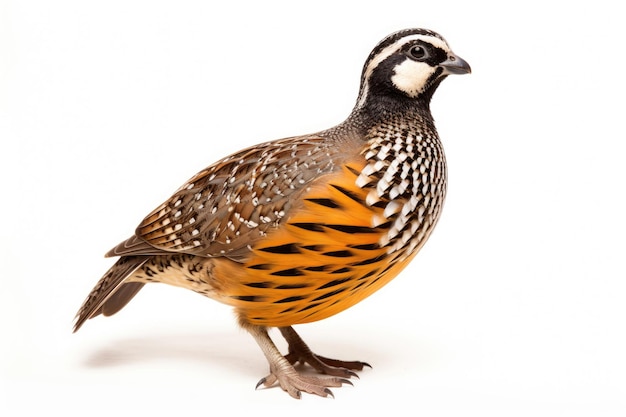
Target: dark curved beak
[455, 65]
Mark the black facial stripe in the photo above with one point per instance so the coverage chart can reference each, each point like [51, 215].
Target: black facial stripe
[435, 55]
[380, 79]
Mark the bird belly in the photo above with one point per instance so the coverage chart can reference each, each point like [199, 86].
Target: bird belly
[324, 259]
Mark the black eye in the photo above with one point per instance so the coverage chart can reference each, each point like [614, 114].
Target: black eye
[418, 52]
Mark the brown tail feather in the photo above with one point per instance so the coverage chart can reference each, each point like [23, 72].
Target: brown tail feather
[120, 298]
[111, 293]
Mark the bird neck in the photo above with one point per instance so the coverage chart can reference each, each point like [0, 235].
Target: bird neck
[389, 111]
[378, 112]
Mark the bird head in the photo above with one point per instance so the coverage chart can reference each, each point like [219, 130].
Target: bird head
[408, 66]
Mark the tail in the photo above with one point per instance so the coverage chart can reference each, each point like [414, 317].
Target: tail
[111, 293]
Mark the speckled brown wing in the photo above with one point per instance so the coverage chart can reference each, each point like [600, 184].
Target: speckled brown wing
[228, 206]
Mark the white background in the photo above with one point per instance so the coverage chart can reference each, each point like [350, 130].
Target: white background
[516, 303]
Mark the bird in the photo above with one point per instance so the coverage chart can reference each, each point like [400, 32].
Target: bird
[296, 230]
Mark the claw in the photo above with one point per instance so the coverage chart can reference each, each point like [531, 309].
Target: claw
[329, 393]
[261, 382]
[346, 381]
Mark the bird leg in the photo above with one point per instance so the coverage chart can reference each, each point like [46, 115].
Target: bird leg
[285, 374]
[300, 352]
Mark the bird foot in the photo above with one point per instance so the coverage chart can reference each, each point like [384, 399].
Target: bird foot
[327, 366]
[300, 352]
[294, 383]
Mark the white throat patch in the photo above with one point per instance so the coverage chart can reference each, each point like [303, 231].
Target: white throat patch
[410, 77]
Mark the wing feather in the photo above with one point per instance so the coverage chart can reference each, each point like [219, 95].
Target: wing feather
[226, 207]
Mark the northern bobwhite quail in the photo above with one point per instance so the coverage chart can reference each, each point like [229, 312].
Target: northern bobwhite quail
[298, 229]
